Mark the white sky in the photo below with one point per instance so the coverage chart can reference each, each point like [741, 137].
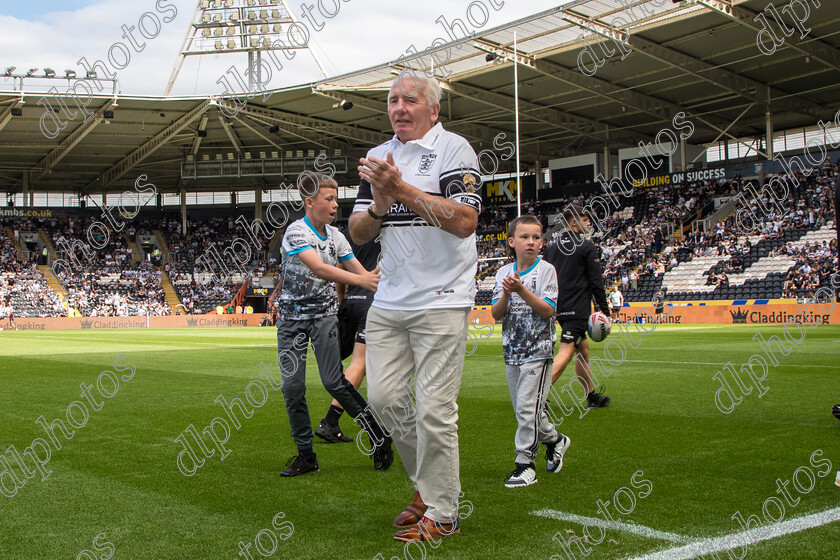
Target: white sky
[57, 33]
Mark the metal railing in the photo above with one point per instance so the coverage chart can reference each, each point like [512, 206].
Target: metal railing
[236, 168]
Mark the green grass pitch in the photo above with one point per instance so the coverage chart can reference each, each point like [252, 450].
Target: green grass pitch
[118, 474]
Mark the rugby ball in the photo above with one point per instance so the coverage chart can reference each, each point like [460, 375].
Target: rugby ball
[598, 326]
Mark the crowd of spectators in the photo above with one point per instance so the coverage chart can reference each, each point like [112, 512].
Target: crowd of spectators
[202, 296]
[131, 291]
[813, 269]
[9, 260]
[214, 234]
[103, 280]
[632, 240]
[806, 207]
[24, 291]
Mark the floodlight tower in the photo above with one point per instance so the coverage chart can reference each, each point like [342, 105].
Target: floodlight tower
[241, 26]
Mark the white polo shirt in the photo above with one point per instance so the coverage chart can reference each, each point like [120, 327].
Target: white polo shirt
[423, 266]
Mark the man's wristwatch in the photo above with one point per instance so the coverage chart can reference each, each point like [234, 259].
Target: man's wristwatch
[374, 215]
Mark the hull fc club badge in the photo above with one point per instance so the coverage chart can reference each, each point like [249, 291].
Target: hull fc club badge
[426, 163]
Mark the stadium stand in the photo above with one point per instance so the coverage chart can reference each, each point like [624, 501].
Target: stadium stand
[786, 255]
[132, 290]
[200, 293]
[24, 291]
[198, 289]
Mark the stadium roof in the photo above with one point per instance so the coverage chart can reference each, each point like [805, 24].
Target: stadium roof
[697, 56]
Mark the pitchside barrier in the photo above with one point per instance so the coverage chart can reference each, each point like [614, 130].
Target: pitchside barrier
[143, 322]
[738, 312]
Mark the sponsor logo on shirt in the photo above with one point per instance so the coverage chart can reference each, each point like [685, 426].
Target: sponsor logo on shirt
[441, 292]
[470, 182]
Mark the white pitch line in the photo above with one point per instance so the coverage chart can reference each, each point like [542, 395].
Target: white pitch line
[721, 365]
[627, 527]
[738, 540]
[170, 342]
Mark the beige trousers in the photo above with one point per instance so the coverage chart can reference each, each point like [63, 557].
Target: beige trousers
[414, 364]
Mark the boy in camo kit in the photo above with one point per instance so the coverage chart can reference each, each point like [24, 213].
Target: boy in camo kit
[308, 307]
[525, 299]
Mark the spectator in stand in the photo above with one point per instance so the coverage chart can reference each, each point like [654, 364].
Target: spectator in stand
[658, 268]
[712, 280]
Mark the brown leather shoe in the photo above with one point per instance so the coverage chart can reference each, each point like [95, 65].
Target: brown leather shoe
[427, 530]
[412, 514]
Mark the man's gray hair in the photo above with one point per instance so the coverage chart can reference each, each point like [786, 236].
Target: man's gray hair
[429, 86]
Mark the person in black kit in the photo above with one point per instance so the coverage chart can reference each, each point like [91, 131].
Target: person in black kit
[837, 214]
[659, 297]
[354, 303]
[580, 279]
[836, 409]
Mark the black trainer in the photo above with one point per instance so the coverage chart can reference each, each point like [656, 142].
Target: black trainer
[522, 475]
[836, 411]
[554, 453]
[383, 454]
[301, 464]
[331, 434]
[597, 400]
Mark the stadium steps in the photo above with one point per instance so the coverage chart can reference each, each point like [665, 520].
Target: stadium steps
[48, 242]
[53, 283]
[278, 237]
[10, 232]
[276, 291]
[172, 299]
[164, 247]
[136, 254]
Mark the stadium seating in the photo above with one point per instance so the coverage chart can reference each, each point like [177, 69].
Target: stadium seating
[787, 256]
[23, 289]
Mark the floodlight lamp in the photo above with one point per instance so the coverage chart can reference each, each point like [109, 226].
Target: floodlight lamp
[31, 71]
[274, 129]
[491, 56]
[91, 74]
[49, 73]
[9, 70]
[344, 104]
[17, 112]
[69, 74]
[108, 114]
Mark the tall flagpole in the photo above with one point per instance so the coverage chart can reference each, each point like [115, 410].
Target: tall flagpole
[516, 115]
